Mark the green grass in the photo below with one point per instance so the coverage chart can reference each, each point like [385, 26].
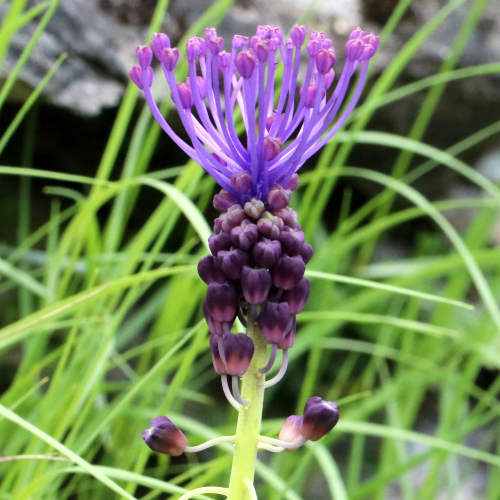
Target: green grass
[104, 328]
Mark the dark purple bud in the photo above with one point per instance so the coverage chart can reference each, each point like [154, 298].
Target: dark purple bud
[288, 271]
[185, 95]
[274, 321]
[297, 296]
[245, 63]
[234, 217]
[298, 34]
[254, 208]
[312, 92]
[319, 419]
[306, 252]
[357, 33]
[266, 253]
[313, 47]
[270, 226]
[278, 197]
[239, 41]
[290, 432]
[325, 59]
[270, 120]
[165, 437]
[232, 262]
[219, 242]
[289, 340]
[159, 42]
[329, 77]
[242, 181]
[354, 49]
[224, 200]
[215, 44]
[210, 271]
[293, 183]
[238, 350]
[288, 216]
[215, 327]
[222, 301]
[244, 235]
[256, 284]
[272, 147]
[219, 365]
[218, 224]
[314, 400]
[291, 241]
[169, 58]
[144, 56]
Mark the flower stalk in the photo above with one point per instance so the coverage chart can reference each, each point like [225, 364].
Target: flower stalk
[249, 418]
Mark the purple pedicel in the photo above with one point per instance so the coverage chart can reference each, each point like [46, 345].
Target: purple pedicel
[165, 437]
[243, 77]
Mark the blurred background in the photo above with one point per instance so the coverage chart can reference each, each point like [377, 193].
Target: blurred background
[418, 378]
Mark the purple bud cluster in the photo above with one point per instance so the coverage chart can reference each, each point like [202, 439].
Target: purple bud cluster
[256, 266]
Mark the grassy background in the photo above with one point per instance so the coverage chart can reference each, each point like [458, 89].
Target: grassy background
[103, 331]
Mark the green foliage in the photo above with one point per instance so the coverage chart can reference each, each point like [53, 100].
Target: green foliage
[106, 331]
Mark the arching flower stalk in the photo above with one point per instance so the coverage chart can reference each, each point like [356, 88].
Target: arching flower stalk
[258, 252]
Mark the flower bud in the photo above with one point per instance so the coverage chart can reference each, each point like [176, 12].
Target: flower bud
[289, 340]
[219, 242]
[234, 217]
[219, 366]
[232, 262]
[260, 48]
[298, 35]
[224, 200]
[290, 432]
[270, 120]
[296, 298]
[266, 253]
[238, 350]
[320, 417]
[288, 271]
[354, 49]
[215, 44]
[169, 58]
[165, 437]
[312, 92]
[144, 56]
[278, 197]
[306, 252]
[325, 59]
[270, 226]
[254, 208]
[242, 181]
[244, 235]
[159, 42]
[215, 327]
[202, 89]
[313, 47]
[239, 41]
[289, 217]
[329, 77]
[256, 284]
[224, 59]
[136, 74]
[293, 182]
[272, 146]
[274, 321]
[195, 47]
[245, 63]
[357, 33]
[291, 241]
[222, 301]
[185, 95]
[210, 271]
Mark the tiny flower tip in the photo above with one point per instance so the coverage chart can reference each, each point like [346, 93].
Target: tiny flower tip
[210, 33]
[144, 56]
[159, 42]
[136, 76]
[354, 49]
[215, 45]
[298, 35]
[357, 33]
[245, 63]
[185, 95]
[241, 181]
[195, 47]
[272, 147]
[313, 47]
[169, 58]
[239, 41]
[325, 59]
[165, 437]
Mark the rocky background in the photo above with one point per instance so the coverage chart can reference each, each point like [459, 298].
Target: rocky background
[79, 105]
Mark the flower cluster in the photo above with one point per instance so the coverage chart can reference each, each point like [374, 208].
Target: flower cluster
[258, 252]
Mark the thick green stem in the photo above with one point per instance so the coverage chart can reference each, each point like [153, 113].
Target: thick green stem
[249, 419]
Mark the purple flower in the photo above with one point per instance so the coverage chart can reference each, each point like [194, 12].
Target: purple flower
[278, 141]
[165, 437]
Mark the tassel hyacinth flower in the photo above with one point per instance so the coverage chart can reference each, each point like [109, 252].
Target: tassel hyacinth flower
[258, 252]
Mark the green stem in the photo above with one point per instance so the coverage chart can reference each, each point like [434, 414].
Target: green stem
[249, 419]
